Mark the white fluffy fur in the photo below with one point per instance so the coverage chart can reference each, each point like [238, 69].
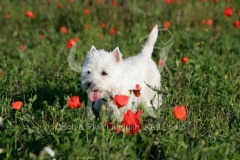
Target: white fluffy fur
[122, 76]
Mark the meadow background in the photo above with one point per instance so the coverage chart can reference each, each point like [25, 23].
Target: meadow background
[34, 70]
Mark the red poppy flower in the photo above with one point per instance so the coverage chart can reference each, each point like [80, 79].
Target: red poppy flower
[59, 6]
[166, 24]
[30, 14]
[180, 112]
[41, 36]
[209, 22]
[138, 87]
[70, 43]
[109, 125]
[168, 1]
[114, 3]
[238, 13]
[21, 47]
[112, 31]
[228, 11]
[120, 100]
[76, 39]
[74, 102]
[63, 30]
[184, 59]
[132, 121]
[236, 24]
[203, 22]
[86, 11]
[103, 25]
[161, 62]
[17, 105]
[136, 91]
[7, 16]
[87, 27]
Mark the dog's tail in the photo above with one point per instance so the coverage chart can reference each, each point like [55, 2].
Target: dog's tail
[149, 45]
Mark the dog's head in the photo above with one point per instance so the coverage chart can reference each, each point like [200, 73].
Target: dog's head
[100, 71]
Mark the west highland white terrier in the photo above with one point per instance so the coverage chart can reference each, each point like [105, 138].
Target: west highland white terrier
[106, 74]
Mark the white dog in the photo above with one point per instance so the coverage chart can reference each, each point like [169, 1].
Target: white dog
[106, 74]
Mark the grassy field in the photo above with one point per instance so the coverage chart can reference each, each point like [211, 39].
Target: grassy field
[34, 69]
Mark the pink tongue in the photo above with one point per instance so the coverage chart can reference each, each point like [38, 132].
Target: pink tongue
[94, 95]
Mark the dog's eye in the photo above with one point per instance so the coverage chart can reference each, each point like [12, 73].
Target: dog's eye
[88, 72]
[104, 73]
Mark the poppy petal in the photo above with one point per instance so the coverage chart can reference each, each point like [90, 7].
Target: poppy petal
[17, 105]
[120, 100]
[180, 112]
[74, 102]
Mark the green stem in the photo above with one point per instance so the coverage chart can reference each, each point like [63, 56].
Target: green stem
[15, 133]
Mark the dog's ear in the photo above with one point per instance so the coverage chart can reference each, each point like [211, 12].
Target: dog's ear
[117, 54]
[93, 49]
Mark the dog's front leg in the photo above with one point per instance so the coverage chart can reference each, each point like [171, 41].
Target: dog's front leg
[89, 112]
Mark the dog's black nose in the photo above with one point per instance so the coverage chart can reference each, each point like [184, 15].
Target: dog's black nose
[89, 84]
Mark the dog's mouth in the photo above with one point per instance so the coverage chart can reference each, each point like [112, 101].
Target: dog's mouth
[94, 95]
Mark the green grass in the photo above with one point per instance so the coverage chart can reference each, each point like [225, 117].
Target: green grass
[208, 85]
